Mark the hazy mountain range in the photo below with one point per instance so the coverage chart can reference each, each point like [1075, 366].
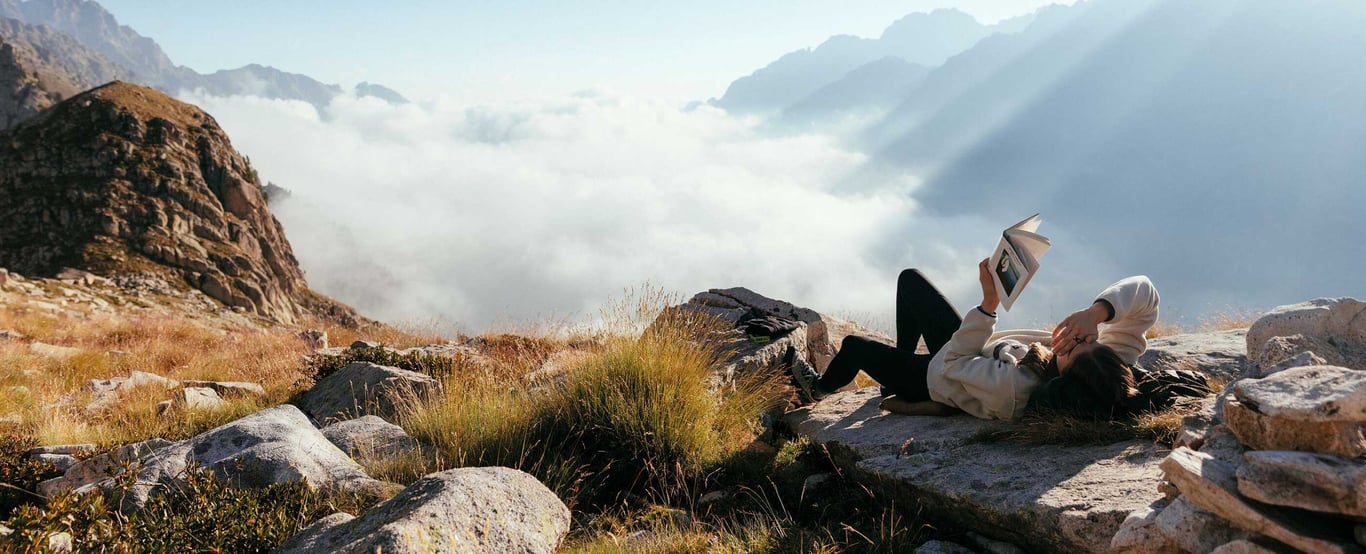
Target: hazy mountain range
[143, 60]
[1214, 144]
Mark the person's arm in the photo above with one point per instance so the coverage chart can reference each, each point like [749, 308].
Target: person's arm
[1128, 307]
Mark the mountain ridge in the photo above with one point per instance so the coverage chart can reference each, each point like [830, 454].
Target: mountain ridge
[99, 30]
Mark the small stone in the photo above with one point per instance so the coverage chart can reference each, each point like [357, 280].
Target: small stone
[1191, 529]
[816, 482]
[1242, 546]
[369, 437]
[1140, 533]
[993, 546]
[229, 389]
[59, 462]
[364, 344]
[59, 543]
[1301, 360]
[198, 399]
[362, 388]
[1168, 490]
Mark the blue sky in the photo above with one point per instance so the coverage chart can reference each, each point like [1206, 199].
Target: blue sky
[495, 49]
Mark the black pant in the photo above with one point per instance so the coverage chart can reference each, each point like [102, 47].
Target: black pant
[921, 311]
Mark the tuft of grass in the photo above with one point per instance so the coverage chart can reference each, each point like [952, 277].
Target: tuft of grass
[203, 514]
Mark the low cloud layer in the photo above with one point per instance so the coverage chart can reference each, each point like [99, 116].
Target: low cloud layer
[488, 216]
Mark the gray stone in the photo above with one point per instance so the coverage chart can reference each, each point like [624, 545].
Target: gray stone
[197, 399]
[1341, 322]
[1300, 360]
[364, 344]
[82, 449]
[275, 445]
[1242, 546]
[369, 436]
[1221, 354]
[1304, 480]
[1051, 498]
[992, 546]
[229, 389]
[9, 335]
[487, 509]
[59, 462]
[943, 547]
[1262, 432]
[1191, 529]
[52, 350]
[1212, 486]
[362, 388]
[88, 473]
[1140, 533]
[713, 496]
[1311, 393]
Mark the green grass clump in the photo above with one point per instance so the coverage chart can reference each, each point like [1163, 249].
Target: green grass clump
[202, 514]
[436, 366]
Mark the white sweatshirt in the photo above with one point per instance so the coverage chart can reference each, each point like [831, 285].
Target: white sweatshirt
[964, 373]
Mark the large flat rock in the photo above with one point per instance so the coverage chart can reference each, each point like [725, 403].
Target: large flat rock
[1049, 498]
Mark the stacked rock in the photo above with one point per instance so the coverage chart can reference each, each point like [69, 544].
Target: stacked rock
[1282, 461]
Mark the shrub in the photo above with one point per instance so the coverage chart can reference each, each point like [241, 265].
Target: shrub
[19, 474]
[203, 514]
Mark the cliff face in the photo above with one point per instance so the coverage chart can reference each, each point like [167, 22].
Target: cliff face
[125, 179]
[40, 67]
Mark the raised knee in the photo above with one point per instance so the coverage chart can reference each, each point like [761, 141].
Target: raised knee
[911, 274]
[854, 341]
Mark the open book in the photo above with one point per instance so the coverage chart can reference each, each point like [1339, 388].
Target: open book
[1016, 259]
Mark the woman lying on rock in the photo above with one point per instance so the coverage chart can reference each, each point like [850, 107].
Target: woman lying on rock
[1084, 369]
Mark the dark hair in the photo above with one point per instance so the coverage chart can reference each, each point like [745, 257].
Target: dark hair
[1097, 385]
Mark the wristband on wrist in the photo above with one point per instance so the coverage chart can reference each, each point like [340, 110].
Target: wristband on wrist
[984, 312]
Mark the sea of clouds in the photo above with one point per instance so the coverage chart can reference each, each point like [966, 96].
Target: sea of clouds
[487, 216]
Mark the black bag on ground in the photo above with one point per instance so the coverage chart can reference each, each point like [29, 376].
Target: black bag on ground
[758, 324]
[1159, 390]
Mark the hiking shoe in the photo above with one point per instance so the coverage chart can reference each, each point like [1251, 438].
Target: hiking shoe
[804, 376]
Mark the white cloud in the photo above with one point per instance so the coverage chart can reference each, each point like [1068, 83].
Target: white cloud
[480, 215]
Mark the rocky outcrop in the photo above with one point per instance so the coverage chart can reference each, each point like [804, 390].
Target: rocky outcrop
[1220, 354]
[362, 388]
[475, 510]
[1278, 458]
[124, 179]
[1050, 498]
[40, 67]
[817, 339]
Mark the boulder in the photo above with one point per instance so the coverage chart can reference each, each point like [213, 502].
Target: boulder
[1048, 498]
[275, 445]
[87, 474]
[1263, 432]
[82, 449]
[1310, 393]
[362, 388]
[369, 436]
[486, 509]
[817, 339]
[59, 462]
[1221, 354]
[1140, 533]
[1212, 486]
[1303, 480]
[1336, 325]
